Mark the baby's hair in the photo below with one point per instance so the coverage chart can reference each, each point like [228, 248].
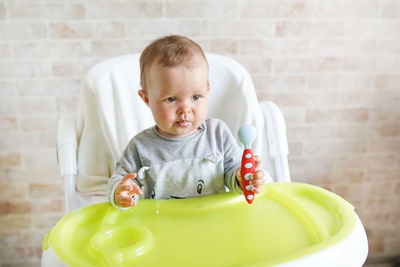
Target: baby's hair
[168, 51]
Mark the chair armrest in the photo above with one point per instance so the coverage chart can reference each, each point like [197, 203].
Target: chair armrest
[67, 145]
[66, 156]
[275, 132]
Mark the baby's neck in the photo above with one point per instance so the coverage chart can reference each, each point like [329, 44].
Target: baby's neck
[171, 136]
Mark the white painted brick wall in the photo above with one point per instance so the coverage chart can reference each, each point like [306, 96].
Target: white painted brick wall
[332, 66]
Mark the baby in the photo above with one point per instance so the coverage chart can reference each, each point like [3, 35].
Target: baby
[183, 155]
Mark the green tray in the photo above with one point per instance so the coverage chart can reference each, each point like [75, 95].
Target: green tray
[285, 222]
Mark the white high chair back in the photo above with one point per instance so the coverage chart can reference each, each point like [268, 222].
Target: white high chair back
[111, 113]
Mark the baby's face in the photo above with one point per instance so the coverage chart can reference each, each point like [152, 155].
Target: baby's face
[178, 97]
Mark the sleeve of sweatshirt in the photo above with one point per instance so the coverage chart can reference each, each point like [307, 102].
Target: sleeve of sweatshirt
[232, 158]
[129, 162]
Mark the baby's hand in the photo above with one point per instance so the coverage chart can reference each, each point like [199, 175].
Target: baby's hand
[257, 178]
[125, 190]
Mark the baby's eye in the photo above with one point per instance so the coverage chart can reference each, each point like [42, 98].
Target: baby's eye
[196, 97]
[171, 99]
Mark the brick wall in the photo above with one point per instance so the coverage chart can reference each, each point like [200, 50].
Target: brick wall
[332, 66]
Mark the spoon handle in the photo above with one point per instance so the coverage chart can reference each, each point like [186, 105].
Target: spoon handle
[247, 169]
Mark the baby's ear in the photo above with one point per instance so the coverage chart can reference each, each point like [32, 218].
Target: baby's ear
[144, 97]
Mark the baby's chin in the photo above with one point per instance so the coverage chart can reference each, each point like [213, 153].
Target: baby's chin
[179, 131]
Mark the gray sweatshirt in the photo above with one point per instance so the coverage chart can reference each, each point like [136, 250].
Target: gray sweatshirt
[200, 164]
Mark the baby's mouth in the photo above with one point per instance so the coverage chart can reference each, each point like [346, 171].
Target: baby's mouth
[183, 123]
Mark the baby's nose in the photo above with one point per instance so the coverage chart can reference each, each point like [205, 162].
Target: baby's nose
[183, 114]
[184, 109]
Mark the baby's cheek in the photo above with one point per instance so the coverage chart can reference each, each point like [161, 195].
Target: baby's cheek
[163, 114]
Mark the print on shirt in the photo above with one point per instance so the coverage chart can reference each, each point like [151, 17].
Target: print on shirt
[200, 184]
[186, 178]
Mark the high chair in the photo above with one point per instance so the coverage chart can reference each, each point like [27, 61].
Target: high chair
[110, 113]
